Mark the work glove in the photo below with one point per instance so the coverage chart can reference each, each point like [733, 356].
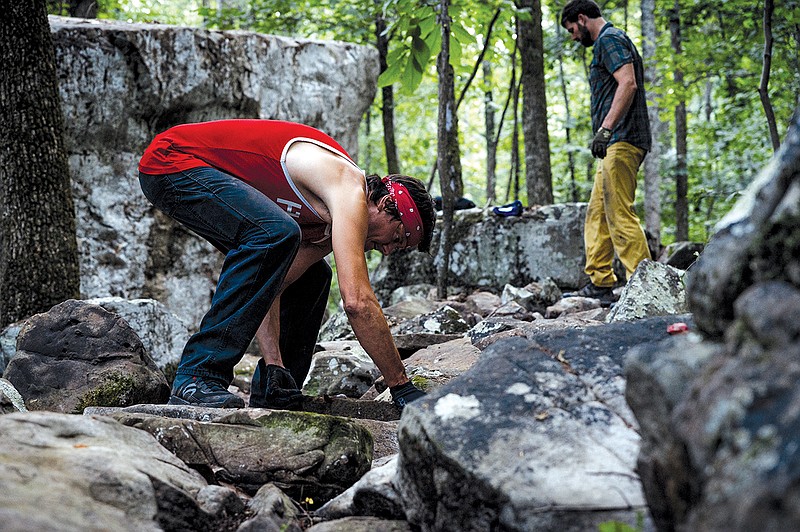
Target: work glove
[600, 143]
[402, 394]
[282, 391]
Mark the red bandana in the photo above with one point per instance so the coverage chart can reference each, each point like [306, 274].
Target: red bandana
[407, 209]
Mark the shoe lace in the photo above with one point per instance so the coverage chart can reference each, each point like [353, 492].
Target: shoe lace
[208, 387]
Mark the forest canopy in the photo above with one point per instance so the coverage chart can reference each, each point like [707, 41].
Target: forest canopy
[708, 57]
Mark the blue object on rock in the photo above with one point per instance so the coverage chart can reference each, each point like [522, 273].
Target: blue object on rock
[510, 209]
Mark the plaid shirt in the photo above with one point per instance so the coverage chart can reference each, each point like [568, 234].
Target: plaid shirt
[612, 50]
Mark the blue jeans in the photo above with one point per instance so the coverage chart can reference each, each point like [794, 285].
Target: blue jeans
[260, 241]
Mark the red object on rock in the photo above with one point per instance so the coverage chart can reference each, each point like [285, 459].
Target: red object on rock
[677, 328]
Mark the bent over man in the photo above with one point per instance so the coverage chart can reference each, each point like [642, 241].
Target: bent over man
[622, 139]
[276, 198]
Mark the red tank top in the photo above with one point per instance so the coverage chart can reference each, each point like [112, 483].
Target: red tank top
[251, 150]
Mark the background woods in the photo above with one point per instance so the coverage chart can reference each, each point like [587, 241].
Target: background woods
[509, 97]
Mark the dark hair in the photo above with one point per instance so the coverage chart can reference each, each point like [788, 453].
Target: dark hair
[421, 198]
[579, 7]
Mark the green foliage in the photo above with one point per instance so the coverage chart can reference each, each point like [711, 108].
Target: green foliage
[618, 526]
[721, 61]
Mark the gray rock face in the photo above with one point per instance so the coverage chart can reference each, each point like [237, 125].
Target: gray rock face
[163, 334]
[374, 494]
[718, 418]
[121, 84]
[306, 455]
[757, 241]
[535, 436]
[78, 355]
[730, 461]
[345, 369]
[8, 343]
[491, 252]
[66, 472]
[654, 289]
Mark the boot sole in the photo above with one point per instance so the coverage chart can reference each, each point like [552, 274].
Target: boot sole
[229, 402]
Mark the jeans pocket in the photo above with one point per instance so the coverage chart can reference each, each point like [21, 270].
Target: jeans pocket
[160, 192]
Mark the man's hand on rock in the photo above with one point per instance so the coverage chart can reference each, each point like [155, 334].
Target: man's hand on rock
[282, 390]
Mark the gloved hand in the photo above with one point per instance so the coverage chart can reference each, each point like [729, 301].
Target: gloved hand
[402, 394]
[282, 392]
[600, 143]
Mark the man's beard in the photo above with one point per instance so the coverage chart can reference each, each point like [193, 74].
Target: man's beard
[586, 37]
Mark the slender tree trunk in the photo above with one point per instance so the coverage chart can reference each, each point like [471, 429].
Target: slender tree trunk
[387, 95]
[73, 8]
[83, 8]
[534, 106]
[513, 178]
[573, 185]
[449, 163]
[367, 161]
[460, 183]
[589, 160]
[652, 171]
[763, 88]
[512, 93]
[681, 171]
[491, 145]
[38, 248]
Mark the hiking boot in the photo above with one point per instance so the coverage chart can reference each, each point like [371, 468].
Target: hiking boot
[197, 391]
[591, 290]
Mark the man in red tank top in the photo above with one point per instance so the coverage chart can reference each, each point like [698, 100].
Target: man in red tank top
[276, 198]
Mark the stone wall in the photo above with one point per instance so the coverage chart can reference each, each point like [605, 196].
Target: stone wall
[492, 251]
[121, 84]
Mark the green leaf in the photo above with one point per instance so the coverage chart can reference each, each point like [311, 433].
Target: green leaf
[427, 25]
[461, 34]
[455, 52]
[412, 76]
[391, 75]
[420, 51]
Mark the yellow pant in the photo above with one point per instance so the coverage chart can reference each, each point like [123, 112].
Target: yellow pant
[611, 223]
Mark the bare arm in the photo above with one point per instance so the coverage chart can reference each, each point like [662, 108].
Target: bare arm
[623, 97]
[340, 187]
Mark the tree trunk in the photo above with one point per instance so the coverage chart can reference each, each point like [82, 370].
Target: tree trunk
[513, 178]
[83, 8]
[534, 106]
[652, 172]
[38, 248]
[573, 185]
[763, 88]
[387, 94]
[449, 161]
[681, 171]
[491, 144]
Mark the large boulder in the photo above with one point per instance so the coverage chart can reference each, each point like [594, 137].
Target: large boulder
[163, 334]
[341, 368]
[654, 289]
[490, 252]
[719, 418]
[121, 84]
[78, 355]
[67, 472]
[757, 241]
[535, 436]
[306, 455]
[720, 421]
